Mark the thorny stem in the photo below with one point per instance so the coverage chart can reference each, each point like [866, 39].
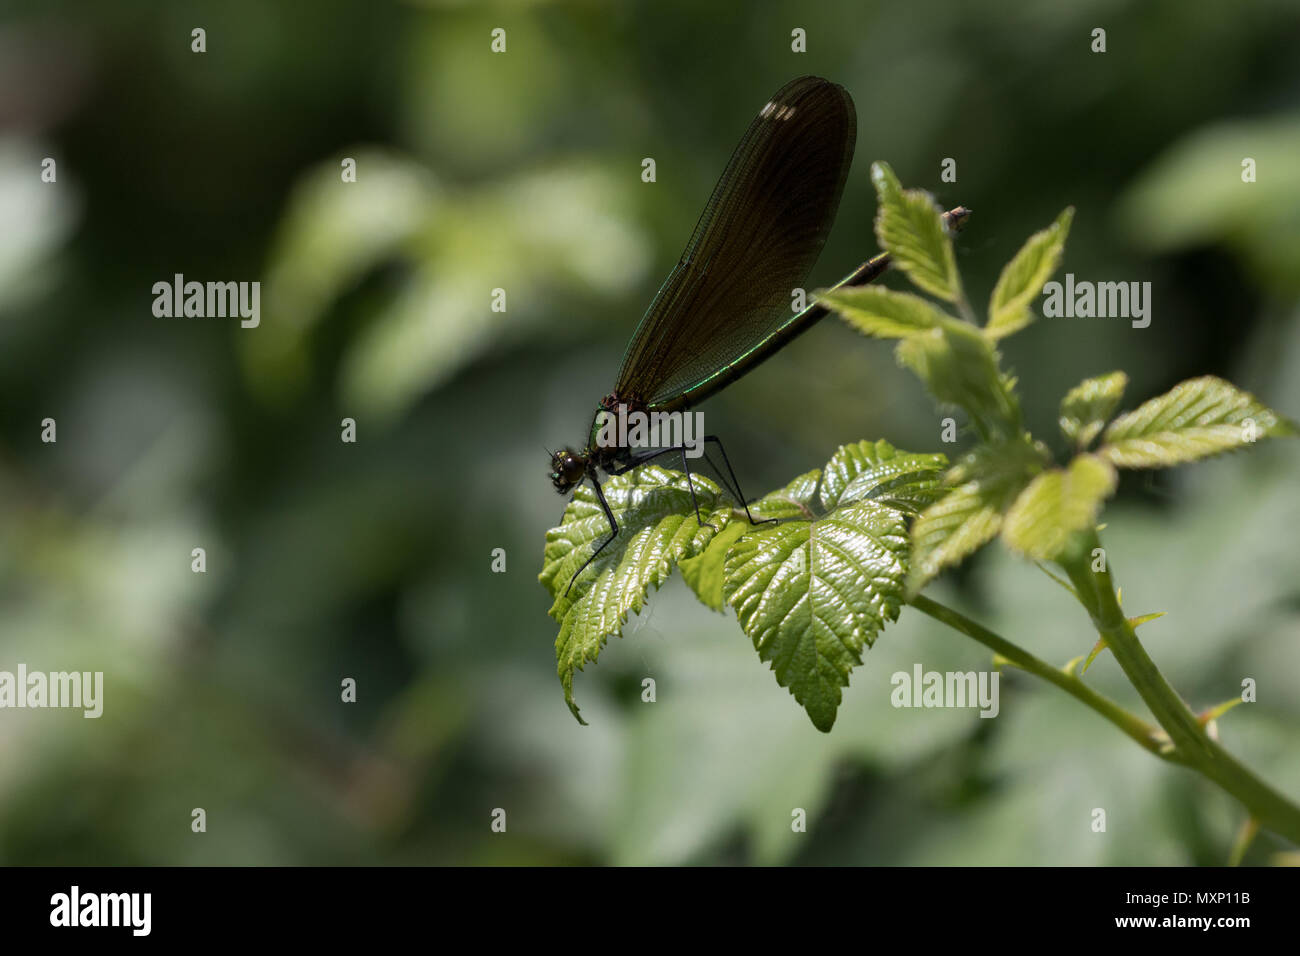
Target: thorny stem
[1191, 742]
[1183, 739]
[1147, 736]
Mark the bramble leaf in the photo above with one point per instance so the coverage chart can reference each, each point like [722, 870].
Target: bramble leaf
[812, 592]
[795, 500]
[1056, 504]
[986, 482]
[1196, 418]
[704, 572]
[958, 365]
[1086, 407]
[909, 226]
[812, 595]
[878, 471]
[657, 529]
[880, 312]
[1024, 276]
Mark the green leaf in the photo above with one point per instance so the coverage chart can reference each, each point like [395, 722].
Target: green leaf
[1194, 419]
[880, 312]
[878, 471]
[1057, 504]
[657, 529]
[704, 572]
[986, 482]
[812, 595]
[909, 226]
[795, 500]
[1024, 276]
[865, 470]
[959, 366]
[1086, 407]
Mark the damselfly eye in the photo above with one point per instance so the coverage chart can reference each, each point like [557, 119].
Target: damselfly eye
[567, 469]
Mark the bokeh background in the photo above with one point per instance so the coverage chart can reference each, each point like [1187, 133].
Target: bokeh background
[373, 560]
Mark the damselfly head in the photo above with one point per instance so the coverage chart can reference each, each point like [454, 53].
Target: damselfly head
[567, 469]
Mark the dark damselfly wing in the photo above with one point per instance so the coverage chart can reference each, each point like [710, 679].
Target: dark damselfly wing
[756, 242]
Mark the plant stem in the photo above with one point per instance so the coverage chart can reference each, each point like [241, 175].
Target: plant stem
[1146, 735]
[1192, 744]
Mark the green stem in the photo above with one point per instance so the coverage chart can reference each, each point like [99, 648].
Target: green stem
[1193, 746]
[1146, 735]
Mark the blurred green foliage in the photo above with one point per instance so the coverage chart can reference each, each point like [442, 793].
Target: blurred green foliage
[373, 561]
